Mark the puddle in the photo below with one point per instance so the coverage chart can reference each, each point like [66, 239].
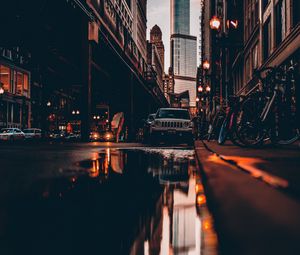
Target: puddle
[134, 201]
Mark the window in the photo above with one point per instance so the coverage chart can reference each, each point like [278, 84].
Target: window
[5, 78]
[267, 40]
[248, 70]
[296, 11]
[255, 57]
[280, 16]
[26, 85]
[19, 83]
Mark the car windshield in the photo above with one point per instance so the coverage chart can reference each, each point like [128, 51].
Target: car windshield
[173, 114]
[26, 131]
[6, 130]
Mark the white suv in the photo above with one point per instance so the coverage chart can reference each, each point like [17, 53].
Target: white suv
[172, 123]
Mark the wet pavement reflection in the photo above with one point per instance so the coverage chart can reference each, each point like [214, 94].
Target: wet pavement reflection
[130, 201]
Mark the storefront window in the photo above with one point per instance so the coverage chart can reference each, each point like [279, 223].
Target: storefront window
[5, 78]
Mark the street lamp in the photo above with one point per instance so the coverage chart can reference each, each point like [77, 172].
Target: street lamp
[197, 99]
[206, 65]
[215, 23]
[200, 89]
[207, 88]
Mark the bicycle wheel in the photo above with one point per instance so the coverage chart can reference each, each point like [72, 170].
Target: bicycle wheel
[249, 129]
[223, 134]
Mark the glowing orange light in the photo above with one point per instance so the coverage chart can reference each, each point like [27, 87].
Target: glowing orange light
[201, 199]
[206, 65]
[206, 225]
[215, 23]
[198, 187]
[200, 88]
[207, 89]
[197, 99]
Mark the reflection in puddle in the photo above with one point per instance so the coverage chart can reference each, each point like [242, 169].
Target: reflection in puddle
[128, 202]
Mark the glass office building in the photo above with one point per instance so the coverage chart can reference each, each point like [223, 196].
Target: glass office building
[183, 49]
[180, 17]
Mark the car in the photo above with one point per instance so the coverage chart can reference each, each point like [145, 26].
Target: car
[57, 135]
[147, 125]
[172, 124]
[32, 133]
[103, 136]
[108, 136]
[11, 134]
[95, 136]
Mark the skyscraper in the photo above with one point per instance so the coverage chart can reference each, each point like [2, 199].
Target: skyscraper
[183, 50]
[156, 38]
[180, 17]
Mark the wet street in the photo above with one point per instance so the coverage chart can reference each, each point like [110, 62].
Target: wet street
[100, 198]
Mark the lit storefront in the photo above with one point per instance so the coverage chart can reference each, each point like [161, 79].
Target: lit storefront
[15, 106]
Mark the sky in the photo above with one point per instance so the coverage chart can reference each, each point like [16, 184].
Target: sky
[158, 12]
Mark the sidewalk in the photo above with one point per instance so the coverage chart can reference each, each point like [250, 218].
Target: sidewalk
[254, 195]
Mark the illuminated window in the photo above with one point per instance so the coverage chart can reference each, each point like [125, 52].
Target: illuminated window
[19, 83]
[5, 78]
[26, 85]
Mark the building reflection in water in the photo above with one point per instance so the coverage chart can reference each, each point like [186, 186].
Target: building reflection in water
[184, 222]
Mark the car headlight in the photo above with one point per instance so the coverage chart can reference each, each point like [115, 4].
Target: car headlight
[157, 123]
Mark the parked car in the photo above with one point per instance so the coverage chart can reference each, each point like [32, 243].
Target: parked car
[172, 124]
[11, 134]
[33, 133]
[147, 125]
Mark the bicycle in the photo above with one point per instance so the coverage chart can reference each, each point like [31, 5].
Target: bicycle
[269, 114]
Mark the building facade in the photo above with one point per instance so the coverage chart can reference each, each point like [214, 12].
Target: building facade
[253, 34]
[156, 38]
[169, 83]
[139, 10]
[154, 64]
[183, 50]
[180, 17]
[15, 103]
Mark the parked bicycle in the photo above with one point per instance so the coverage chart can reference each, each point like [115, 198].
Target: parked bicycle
[269, 113]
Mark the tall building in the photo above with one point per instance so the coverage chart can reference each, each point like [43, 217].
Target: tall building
[168, 80]
[139, 9]
[154, 63]
[183, 50]
[156, 38]
[180, 17]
